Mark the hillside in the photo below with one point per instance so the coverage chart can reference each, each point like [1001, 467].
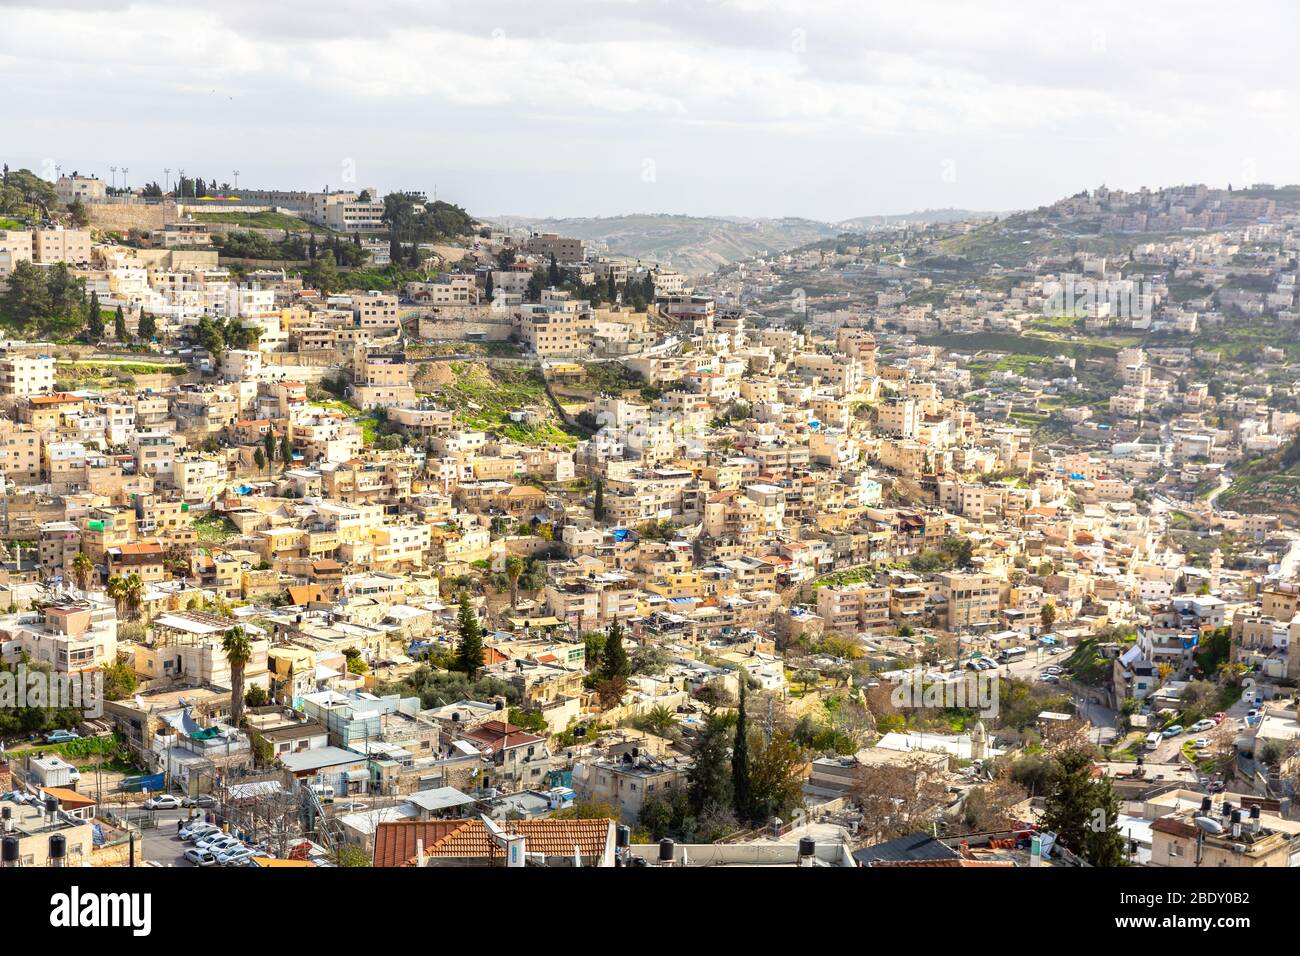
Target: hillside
[694, 244]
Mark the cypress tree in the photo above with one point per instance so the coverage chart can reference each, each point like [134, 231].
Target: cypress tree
[148, 327]
[614, 660]
[119, 326]
[94, 319]
[469, 649]
[741, 795]
[598, 504]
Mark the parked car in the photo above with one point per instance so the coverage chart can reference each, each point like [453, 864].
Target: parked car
[1173, 731]
[61, 736]
[1049, 678]
[1202, 725]
[1053, 669]
[1220, 717]
[235, 856]
[198, 831]
[164, 801]
[200, 857]
[216, 842]
[202, 800]
[1200, 743]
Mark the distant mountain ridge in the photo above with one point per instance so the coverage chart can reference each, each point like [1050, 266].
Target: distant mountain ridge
[698, 244]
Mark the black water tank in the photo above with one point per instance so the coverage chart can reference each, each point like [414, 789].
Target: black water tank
[9, 851]
[58, 849]
[666, 847]
[807, 847]
[624, 837]
[1206, 804]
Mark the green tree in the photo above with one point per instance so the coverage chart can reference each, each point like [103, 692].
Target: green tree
[469, 647]
[709, 779]
[82, 569]
[614, 664]
[514, 571]
[94, 319]
[133, 595]
[598, 502]
[1083, 812]
[553, 276]
[148, 327]
[28, 296]
[1047, 615]
[259, 459]
[269, 445]
[286, 450]
[239, 651]
[741, 796]
[775, 777]
[119, 326]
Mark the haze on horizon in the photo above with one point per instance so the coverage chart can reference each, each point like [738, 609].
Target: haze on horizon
[754, 108]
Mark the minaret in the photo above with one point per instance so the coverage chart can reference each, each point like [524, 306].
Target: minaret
[1216, 570]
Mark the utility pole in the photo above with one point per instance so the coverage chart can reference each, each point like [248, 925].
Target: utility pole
[113, 169]
[236, 179]
[167, 179]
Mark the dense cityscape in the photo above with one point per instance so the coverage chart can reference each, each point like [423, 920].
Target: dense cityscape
[701, 436]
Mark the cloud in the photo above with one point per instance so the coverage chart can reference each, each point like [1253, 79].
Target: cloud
[1052, 85]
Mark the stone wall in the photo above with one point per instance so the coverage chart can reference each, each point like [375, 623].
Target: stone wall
[123, 217]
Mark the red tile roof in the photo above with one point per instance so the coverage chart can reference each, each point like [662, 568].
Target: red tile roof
[395, 841]
[497, 735]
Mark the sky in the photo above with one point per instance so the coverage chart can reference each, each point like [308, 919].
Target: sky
[754, 108]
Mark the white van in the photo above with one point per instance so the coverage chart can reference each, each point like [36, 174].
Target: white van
[1153, 740]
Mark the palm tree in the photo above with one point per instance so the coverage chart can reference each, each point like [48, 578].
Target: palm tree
[133, 595]
[238, 650]
[514, 571]
[82, 569]
[116, 589]
[661, 721]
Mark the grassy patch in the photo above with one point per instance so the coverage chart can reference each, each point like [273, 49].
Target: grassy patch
[214, 529]
[259, 220]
